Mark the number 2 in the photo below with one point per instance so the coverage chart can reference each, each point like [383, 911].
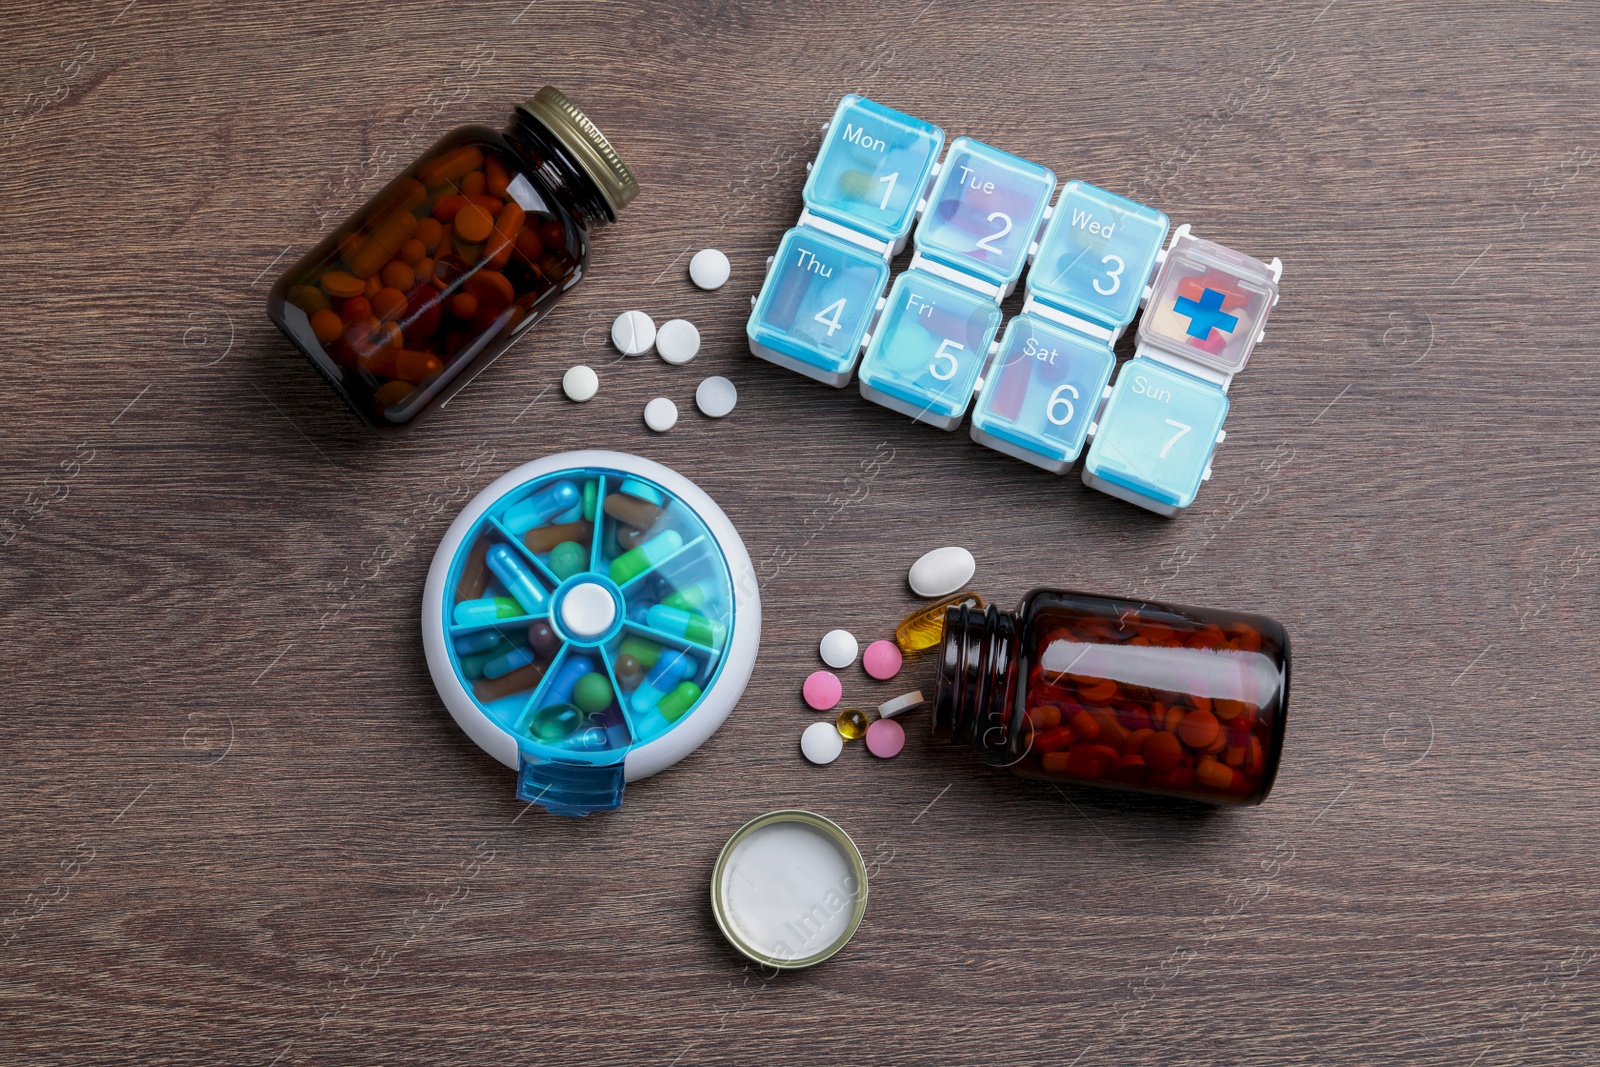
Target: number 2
[883, 205]
[837, 307]
[955, 365]
[1182, 429]
[1005, 228]
[1114, 275]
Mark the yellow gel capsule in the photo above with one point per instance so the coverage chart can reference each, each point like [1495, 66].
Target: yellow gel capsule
[924, 628]
[852, 724]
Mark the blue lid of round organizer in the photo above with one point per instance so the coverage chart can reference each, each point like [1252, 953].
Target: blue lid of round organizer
[648, 592]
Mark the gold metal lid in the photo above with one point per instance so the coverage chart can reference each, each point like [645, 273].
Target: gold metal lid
[789, 889]
[586, 143]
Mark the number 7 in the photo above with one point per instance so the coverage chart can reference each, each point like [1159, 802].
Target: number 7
[1182, 429]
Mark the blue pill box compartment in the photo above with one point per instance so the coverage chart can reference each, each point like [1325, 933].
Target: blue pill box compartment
[931, 343]
[818, 301]
[606, 736]
[1156, 436]
[1096, 256]
[983, 214]
[873, 169]
[1040, 393]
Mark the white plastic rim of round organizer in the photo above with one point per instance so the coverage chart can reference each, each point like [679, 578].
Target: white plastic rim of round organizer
[587, 610]
[739, 656]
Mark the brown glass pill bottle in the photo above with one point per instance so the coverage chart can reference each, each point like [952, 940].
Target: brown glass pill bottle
[1154, 698]
[419, 290]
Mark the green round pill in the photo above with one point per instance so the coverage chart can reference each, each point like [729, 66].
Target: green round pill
[569, 558]
[593, 692]
[555, 722]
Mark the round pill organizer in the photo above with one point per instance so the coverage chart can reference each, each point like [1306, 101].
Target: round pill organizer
[589, 619]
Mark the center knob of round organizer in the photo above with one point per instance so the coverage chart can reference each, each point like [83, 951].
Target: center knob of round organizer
[588, 610]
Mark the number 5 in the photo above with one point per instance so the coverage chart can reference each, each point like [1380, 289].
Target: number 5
[955, 364]
[1182, 429]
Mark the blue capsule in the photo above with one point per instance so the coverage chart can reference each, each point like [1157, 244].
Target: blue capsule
[479, 641]
[689, 625]
[472, 666]
[672, 668]
[507, 662]
[541, 507]
[485, 609]
[518, 579]
[566, 679]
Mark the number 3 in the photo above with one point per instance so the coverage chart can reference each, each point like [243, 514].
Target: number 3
[955, 365]
[1115, 276]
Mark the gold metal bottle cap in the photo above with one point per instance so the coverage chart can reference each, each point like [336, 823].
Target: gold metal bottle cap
[586, 143]
[789, 889]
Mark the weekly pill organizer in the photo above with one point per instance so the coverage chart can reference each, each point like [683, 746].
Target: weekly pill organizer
[1043, 387]
[589, 619]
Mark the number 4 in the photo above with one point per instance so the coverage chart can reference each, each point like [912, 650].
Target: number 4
[837, 307]
[1182, 429]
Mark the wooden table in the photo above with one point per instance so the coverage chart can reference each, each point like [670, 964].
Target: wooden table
[240, 828]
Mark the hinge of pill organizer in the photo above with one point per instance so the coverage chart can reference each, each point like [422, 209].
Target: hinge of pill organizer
[570, 788]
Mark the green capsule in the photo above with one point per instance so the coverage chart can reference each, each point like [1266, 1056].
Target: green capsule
[630, 565]
[591, 498]
[472, 666]
[646, 652]
[689, 598]
[678, 700]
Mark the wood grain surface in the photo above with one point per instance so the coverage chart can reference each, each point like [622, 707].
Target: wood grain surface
[239, 827]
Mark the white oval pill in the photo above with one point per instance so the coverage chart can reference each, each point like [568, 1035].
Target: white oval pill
[821, 742]
[942, 571]
[634, 333]
[580, 383]
[716, 396]
[839, 648]
[661, 414]
[709, 269]
[677, 341]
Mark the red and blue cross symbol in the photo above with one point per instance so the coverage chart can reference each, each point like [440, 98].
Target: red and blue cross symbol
[1205, 314]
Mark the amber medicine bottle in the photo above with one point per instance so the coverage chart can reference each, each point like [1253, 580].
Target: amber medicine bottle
[1091, 690]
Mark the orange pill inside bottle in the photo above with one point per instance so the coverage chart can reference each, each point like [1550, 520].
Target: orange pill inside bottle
[524, 205]
[1130, 690]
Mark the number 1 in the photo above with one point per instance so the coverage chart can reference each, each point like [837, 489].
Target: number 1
[1182, 429]
[883, 205]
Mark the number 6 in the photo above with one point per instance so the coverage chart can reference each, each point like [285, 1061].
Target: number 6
[1057, 398]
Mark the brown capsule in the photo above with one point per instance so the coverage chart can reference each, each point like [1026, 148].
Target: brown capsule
[488, 690]
[474, 573]
[545, 538]
[630, 672]
[629, 539]
[630, 510]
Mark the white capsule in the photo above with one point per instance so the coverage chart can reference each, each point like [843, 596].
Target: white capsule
[634, 333]
[716, 396]
[942, 571]
[709, 269]
[580, 383]
[677, 341]
[661, 414]
[839, 648]
[821, 742]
